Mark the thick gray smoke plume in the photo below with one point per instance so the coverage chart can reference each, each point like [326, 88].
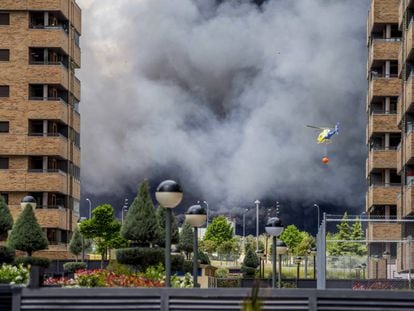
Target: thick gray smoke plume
[218, 96]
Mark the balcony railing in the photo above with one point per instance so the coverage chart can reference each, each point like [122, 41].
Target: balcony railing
[37, 98]
[50, 134]
[36, 170]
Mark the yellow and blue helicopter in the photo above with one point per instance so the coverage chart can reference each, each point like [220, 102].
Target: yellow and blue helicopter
[326, 133]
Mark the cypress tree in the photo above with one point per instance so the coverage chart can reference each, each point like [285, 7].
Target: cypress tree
[26, 234]
[344, 233]
[358, 234]
[140, 224]
[186, 239]
[160, 215]
[6, 220]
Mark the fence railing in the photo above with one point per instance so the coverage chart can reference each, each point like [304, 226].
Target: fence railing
[201, 299]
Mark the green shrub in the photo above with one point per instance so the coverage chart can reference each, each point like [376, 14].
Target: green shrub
[72, 267]
[250, 264]
[33, 261]
[13, 275]
[177, 262]
[154, 273]
[7, 254]
[187, 266]
[203, 258]
[248, 271]
[118, 268]
[140, 257]
[90, 279]
[222, 272]
[223, 282]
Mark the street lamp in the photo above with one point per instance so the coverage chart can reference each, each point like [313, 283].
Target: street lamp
[274, 228]
[83, 239]
[257, 202]
[244, 228]
[28, 200]
[90, 208]
[168, 194]
[386, 255]
[196, 216]
[124, 210]
[319, 212]
[375, 258]
[363, 267]
[312, 252]
[297, 261]
[281, 249]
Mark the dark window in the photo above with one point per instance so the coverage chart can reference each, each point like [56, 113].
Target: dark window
[4, 126]
[4, 91]
[4, 163]
[4, 55]
[4, 19]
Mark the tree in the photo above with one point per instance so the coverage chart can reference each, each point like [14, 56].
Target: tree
[160, 216]
[103, 229]
[357, 233]
[344, 233]
[227, 248]
[27, 235]
[208, 246]
[140, 224]
[76, 245]
[292, 237]
[219, 231]
[250, 263]
[305, 244]
[186, 239]
[6, 220]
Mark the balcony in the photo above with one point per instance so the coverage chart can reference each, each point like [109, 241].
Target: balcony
[53, 108]
[47, 218]
[381, 159]
[402, 8]
[76, 91]
[382, 123]
[76, 55]
[408, 200]
[383, 49]
[48, 74]
[403, 257]
[36, 5]
[382, 12]
[49, 38]
[408, 95]
[381, 87]
[384, 194]
[75, 189]
[76, 122]
[47, 146]
[399, 110]
[407, 148]
[384, 231]
[77, 17]
[25, 181]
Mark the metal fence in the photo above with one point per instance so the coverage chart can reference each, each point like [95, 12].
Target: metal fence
[75, 299]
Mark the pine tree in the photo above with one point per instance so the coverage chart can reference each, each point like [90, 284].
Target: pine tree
[140, 224]
[76, 245]
[160, 215]
[357, 233]
[6, 220]
[344, 233]
[27, 235]
[186, 239]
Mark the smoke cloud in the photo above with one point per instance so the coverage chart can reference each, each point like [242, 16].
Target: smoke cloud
[217, 96]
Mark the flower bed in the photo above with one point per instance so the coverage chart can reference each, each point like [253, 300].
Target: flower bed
[10, 274]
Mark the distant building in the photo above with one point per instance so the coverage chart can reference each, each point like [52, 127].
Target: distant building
[39, 113]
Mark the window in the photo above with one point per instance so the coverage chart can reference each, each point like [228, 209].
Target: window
[4, 126]
[4, 163]
[4, 55]
[4, 19]
[5, 196]
[4, 91]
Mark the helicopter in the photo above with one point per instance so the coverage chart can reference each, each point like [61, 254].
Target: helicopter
[326, 133]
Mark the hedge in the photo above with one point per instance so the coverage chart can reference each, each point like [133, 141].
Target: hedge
[140, 257]
[72, 267]
[33, 261]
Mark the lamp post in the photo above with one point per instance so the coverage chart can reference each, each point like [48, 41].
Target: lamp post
[297, 261]
[375, 258]
[244, 228]
[386, 256]
[90, 208]
[313, 252]
[274, 228]
[83, 239]
[281, 249]
[319, 212]
[257, 202]
[196, 216]
[124, 210]
[28, 200]
[168, 194]
[363, 267]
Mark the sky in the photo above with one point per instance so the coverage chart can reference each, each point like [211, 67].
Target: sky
[217, 96]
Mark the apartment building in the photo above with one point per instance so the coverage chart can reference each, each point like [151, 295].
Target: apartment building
[39, 113]
[384, 40]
